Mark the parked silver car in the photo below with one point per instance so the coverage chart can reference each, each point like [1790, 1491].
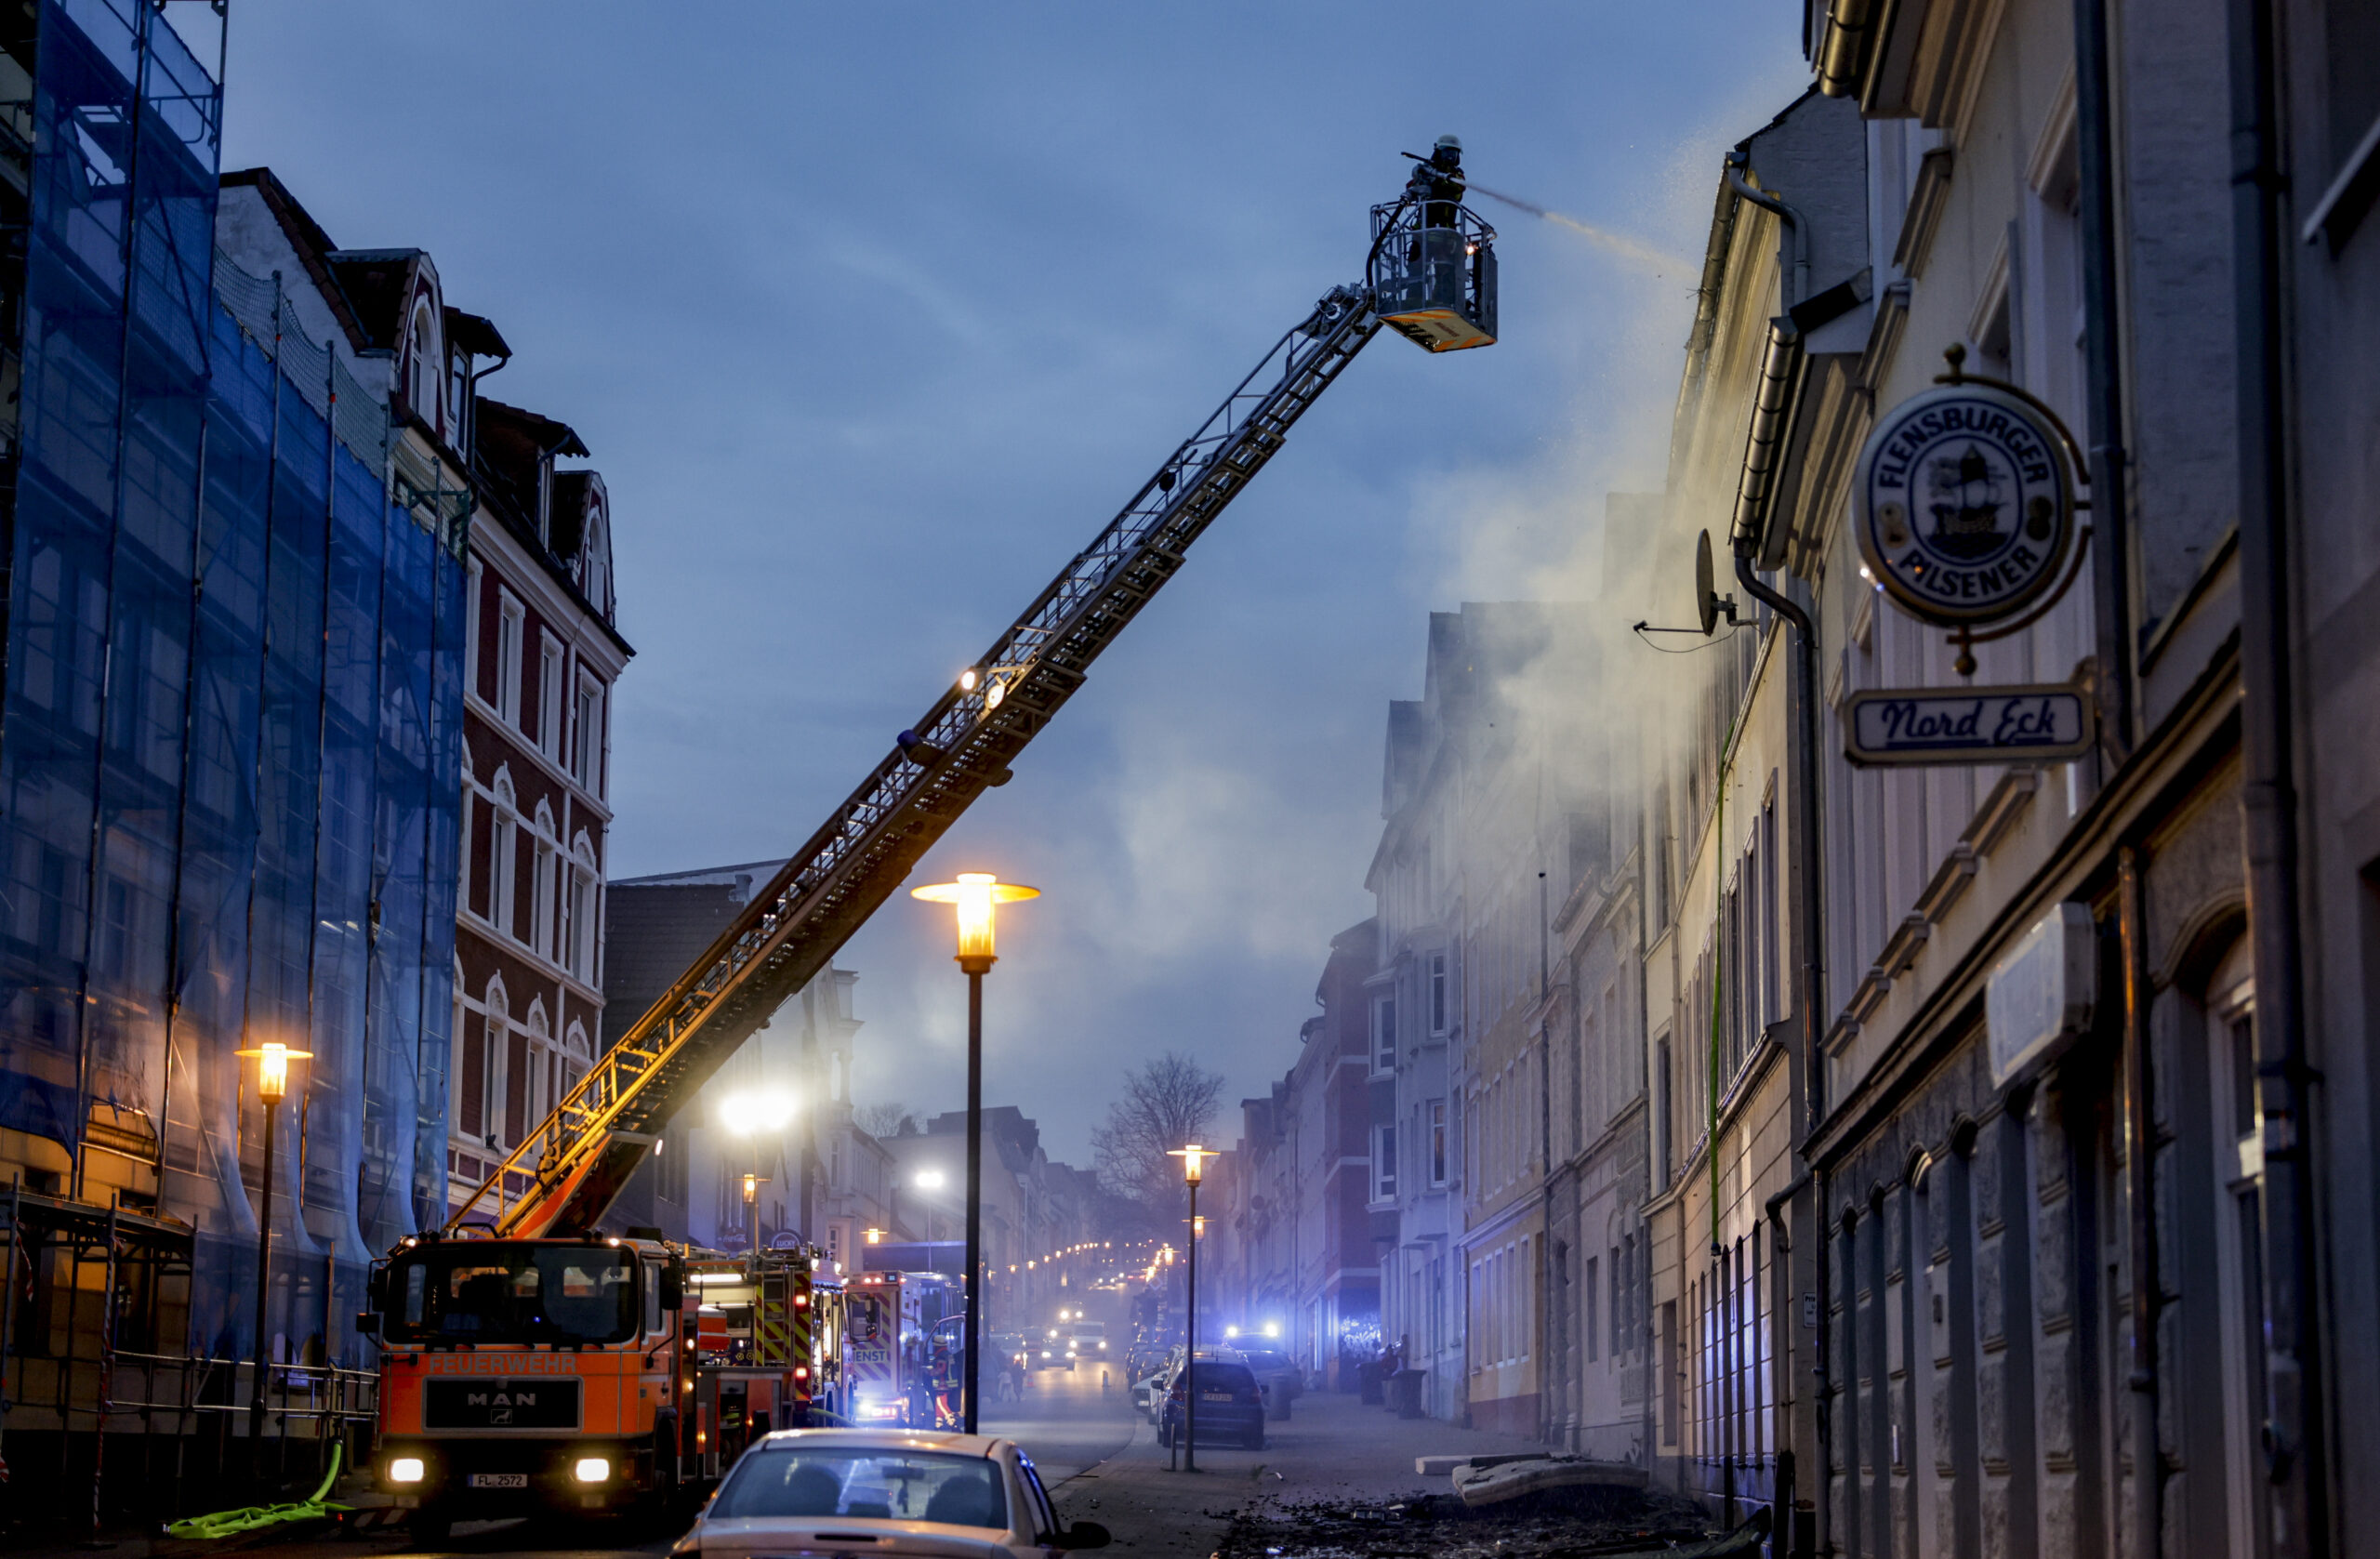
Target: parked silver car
[899, 1492]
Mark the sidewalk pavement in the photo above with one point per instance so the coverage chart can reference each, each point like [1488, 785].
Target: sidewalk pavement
[1332, 1449]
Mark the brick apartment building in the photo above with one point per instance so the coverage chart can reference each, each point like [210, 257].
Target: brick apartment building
[543, 653]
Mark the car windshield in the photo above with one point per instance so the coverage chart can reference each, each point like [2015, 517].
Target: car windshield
[864, 1483]
[1267, 1358]
[1210, 1375]
[486, 1292]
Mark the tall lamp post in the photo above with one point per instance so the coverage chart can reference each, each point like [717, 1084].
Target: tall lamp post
[272, 1059]
[1194, 1161]
[928, 1181]
[975, 893]
[755, 1116]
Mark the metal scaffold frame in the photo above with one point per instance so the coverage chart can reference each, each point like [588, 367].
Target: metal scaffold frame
[77, 1394]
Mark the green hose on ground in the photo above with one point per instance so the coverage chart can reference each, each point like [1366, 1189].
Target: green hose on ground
[225, 1524]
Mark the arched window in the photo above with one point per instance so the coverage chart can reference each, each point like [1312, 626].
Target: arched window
[425, 389]
[541, 934]
[581, 915]
[537, 1099]
[504, 855]
[596, 569]
[480, 1082]
[577, 1055]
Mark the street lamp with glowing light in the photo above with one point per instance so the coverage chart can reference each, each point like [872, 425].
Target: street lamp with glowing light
[1193, 1160]
[975, 896]
[273, 1059]
[756, 1116]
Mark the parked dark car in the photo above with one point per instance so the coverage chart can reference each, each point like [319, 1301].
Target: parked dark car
[1231, 1406]
[1279, 1377]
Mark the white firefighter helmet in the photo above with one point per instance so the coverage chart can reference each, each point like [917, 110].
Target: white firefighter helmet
[1448, 143]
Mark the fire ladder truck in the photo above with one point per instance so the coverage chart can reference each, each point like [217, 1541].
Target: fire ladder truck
[531, 1361]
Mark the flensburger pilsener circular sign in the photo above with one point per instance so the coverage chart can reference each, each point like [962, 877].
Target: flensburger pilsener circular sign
[1965, 504]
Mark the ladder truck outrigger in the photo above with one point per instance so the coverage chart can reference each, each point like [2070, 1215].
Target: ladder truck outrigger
[533, 1360]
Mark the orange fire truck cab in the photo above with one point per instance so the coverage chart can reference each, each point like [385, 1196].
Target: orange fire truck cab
[520, 1375]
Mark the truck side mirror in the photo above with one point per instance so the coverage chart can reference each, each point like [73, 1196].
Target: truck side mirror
[376, 1287]
[367, 1323]
[673, 1288]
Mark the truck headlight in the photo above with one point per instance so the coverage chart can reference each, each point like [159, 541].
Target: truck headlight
[407, 1469]
[591, 1469]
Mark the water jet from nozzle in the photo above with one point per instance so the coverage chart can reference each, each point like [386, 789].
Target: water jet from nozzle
[1629, 248]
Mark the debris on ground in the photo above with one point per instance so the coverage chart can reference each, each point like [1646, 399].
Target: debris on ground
[1575, 1522]
[1502, 1480]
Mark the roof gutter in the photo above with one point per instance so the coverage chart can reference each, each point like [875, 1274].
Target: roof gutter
[1781, 364]
[1843, 46]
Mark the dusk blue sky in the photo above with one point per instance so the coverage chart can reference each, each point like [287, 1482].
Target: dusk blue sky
[872, 315]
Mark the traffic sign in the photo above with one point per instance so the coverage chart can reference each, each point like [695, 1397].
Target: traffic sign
[1968, 725]
[1964, 503]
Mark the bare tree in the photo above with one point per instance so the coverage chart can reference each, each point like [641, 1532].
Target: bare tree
[1167, 1103]
[883, 1119]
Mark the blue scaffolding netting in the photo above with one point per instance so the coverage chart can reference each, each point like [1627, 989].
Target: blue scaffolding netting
[230, 744]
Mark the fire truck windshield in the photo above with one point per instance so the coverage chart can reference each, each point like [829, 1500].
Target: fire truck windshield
[486, 1292]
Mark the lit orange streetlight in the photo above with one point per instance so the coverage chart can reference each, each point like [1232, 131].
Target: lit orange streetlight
[975, 895]
[1193, 1160]
[273, 1059]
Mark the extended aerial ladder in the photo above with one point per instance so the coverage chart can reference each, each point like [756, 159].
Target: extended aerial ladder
[1435, 284]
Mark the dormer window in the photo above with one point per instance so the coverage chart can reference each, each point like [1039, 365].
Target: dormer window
[428, 361]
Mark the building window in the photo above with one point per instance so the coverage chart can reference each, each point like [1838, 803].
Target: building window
[425, 364]
[541, 923]
[1663, 1124]
[1384, 1163]
[1438, 993]
[1438, 1141]
[577, 1056]
[472, 595]
[545, 1069]
[470, 821]
[580, 920]
[550, 710]
[483, 1075]
[586, 735]
[503, 856]
[1588, 1296]
[511, 623]
[1384, 1034]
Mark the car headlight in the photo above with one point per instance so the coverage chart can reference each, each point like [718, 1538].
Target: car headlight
[591, 1469]
[407, 1469]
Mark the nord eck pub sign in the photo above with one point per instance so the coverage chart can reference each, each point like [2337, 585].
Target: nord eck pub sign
[1964, 515]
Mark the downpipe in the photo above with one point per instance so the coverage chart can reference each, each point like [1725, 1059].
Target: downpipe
[1810, 911]
[2296, 1455]
[1780, 385]
[2110, 508]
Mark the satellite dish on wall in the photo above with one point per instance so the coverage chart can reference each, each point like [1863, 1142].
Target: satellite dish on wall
[1709, 604]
